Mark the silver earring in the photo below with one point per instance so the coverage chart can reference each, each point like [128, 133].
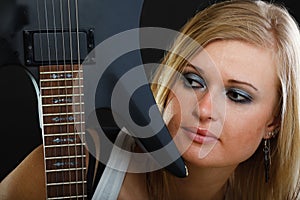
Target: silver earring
[271, 134]
[267, 159]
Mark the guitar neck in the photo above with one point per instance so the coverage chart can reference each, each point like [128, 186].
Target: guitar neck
[64, 131]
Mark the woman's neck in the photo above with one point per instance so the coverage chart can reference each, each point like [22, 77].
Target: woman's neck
[202, 183]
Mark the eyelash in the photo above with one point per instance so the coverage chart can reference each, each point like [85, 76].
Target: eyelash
[238, 96]
[194, 81]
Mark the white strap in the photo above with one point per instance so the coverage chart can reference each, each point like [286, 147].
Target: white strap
[112, 178]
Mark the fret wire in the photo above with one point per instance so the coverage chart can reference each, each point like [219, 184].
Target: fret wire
[62, 72]
[65, 123]
[61, 79]
[71, 169]
[62, 87]
[69, 197]
[71, 113]
[67, 145]
[63, 104]
[64, 157]
[67, 95]
[64, 134]
[64, 183]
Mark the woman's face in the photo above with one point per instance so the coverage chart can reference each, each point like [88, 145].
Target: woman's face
[224, 104]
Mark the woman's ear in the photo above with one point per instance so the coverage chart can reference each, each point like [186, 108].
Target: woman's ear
[273, 128]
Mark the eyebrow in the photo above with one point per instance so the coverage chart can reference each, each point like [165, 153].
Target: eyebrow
[195, 67]
[242, 82]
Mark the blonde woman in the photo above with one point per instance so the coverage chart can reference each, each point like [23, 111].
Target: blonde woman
[255, 47]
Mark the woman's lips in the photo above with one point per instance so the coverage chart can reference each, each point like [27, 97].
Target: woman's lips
[200, 135]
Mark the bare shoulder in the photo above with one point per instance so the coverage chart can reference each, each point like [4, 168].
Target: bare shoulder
[134, 187]
[27, 180]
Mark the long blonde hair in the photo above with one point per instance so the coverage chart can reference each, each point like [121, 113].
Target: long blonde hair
[263, 24]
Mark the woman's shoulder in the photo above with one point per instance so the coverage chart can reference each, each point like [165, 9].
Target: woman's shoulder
[134, 187]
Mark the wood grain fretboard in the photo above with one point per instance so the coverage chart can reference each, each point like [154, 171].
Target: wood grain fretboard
[64, 131]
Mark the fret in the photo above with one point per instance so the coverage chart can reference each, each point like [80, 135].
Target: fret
[57, 71]
[51, 79]
[64, 150]
[61, 71]
[60, 76]
[64, 145]
[63, 95]
[64, 131]
[63, 118]
[65, 123]
[65, 163]
[69, 197]
[61, 91]
[60, 177]
[64, 113]
[62, 83]
[69, 190]
[66, 183]
[62, 87]
[69, 139]
[49, 135]
[69, 169]
[63, 104]
[56, 130]
[65, 157]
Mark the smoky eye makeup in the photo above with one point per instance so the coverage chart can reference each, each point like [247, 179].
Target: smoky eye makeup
[239, 96]
[193, 80]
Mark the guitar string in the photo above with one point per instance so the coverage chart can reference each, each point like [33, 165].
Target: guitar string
[78, 80]
[81, 109]
[73, 89]
[65, 89]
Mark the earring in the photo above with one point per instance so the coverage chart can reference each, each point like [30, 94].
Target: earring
[267, 159]
[272, 134]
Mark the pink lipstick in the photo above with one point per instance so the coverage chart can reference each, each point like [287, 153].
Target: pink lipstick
[199, 135]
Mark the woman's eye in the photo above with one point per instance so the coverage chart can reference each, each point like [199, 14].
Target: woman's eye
[239, 96]
[192, 80]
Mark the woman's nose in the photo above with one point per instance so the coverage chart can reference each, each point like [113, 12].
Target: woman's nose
[204, 108]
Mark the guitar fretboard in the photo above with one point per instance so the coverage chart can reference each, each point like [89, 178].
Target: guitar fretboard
[64, 131]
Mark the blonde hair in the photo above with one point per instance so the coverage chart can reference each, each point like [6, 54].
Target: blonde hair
[270, 26]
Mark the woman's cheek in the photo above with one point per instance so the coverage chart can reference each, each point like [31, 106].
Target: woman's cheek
[172, 115]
